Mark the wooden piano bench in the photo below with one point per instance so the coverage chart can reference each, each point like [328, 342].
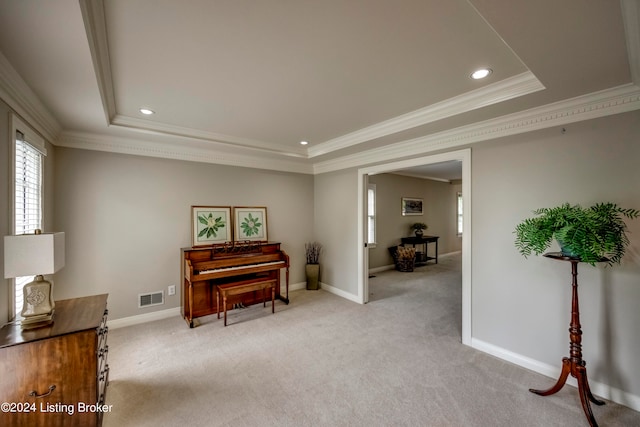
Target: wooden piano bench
[231, 289]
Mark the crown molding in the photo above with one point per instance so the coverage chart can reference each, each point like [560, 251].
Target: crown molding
[598, 104]
[93, 16]
[616, 100]
[19, 96]
[139, 147]
[94, 19]
[512, 87]
[21, 99]
[147, 126]
[95, 25]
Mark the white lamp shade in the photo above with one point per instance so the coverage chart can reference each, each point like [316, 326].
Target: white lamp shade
[33, 254]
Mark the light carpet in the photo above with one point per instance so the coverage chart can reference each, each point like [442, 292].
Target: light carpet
[325, 361]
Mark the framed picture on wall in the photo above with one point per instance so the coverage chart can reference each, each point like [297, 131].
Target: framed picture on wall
[250, 223]
[411, 206]
[210, 225]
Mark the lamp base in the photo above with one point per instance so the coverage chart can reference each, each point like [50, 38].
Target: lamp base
[33, 322]
[38, 303]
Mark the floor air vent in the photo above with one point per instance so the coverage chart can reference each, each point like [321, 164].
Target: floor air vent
[153, 298]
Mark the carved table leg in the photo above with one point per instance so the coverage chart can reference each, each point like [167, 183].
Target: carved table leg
[566, 369]
[587, 390]
[586, 396]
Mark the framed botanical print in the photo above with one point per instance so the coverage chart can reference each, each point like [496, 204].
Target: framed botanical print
[411, 206]
[250, 223]
[210, 225]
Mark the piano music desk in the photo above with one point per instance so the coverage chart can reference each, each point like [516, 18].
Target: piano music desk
[231, 289]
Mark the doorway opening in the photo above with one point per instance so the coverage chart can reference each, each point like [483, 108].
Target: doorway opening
[463, 156]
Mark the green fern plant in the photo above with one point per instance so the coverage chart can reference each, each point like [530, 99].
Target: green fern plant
[593, 234]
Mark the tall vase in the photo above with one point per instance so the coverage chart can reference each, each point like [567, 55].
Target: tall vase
[313, 275]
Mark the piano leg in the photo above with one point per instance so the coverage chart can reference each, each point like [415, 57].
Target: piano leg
[191, 305]
[224, 303]
[284, 299]
[287, 285]
[273, 298]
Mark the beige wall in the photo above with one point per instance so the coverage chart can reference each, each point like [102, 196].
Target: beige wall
[126, 218]
[520, 307]
[336, 229]
[439, 203]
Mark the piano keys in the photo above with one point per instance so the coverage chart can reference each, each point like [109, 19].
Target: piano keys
[204, 268]
[237, 269]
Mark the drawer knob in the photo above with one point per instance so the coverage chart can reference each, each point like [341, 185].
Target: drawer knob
[35, 394]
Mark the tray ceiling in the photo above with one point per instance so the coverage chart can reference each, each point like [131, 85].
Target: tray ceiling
[246, 78]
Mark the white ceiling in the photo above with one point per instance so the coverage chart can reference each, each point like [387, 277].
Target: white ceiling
[448, 171]
[239, 79]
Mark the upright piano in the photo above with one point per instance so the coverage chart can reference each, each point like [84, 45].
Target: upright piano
[204, 268]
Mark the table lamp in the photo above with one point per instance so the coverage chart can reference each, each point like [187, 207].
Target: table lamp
[34, 254]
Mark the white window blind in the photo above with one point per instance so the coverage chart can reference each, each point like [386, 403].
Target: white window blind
[27, 199]
[371, 214]
[459, 216]
[28, 209]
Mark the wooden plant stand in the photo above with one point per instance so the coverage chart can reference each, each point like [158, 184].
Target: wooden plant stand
[574, 364]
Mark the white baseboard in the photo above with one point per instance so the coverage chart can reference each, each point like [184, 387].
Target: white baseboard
[297, 286]
[449, 254]
[143, 318]
[599, 389]
[383, 268]
[328, 288]
[392, 267]
[340, 293]
[170, 312]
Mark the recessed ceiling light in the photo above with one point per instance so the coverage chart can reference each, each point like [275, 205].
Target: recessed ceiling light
[146, 111]
[481, 73]
[303, 142]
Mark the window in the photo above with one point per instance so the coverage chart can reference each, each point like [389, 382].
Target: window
[371, 215]
[459, 213]
[27, 192]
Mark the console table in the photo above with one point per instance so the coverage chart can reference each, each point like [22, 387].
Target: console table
[574, 364]
[423, 258]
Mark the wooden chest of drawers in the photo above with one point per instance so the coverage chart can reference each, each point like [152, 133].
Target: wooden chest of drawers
[57, 375]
